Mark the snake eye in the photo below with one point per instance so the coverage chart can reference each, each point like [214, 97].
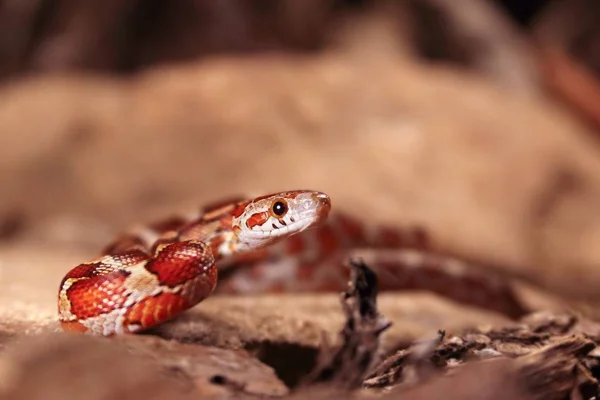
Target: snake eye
[279, 208]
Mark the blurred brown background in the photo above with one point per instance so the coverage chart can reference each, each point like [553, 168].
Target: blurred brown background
[476, 120]
[473, 119]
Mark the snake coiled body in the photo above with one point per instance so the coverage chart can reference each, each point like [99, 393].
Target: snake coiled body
[145, 280]
[152, 274]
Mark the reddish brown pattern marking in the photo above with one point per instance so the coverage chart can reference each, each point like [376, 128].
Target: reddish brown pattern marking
[251, 256]
[215, 243]
[420, 239]
[306, 272]
[390, 238]
[130, 258]
[166, 225]
[166, 239]
[255, 272]
[91, 294]
[289, 195]
[209, 232]
[407, 238]
[264, 197]
[468, 287]
[222, 206]
[123, 243]
[257, 219]
[153, 310]
[102, 267]
[239, 210]
[327, 240]
[201, 287]
[81, 271]
[218, 213]
[198, 231]
[294, 245]
[277, 287]
[180, 262]
[353, 230]
[332, 285]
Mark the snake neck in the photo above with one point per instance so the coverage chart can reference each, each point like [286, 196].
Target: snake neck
[219, 234]
[236, 229]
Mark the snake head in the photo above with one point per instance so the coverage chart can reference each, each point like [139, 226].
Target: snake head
[267, 219]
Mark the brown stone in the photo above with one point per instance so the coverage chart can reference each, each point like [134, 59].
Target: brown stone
[78, 366]
[309, 319]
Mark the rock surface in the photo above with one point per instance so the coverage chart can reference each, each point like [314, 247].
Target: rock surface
[77, 366]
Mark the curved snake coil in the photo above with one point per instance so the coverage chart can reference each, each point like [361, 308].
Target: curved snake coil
[144, 280]
[156, 272]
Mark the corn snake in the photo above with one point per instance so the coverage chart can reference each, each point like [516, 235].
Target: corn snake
[154, 273]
